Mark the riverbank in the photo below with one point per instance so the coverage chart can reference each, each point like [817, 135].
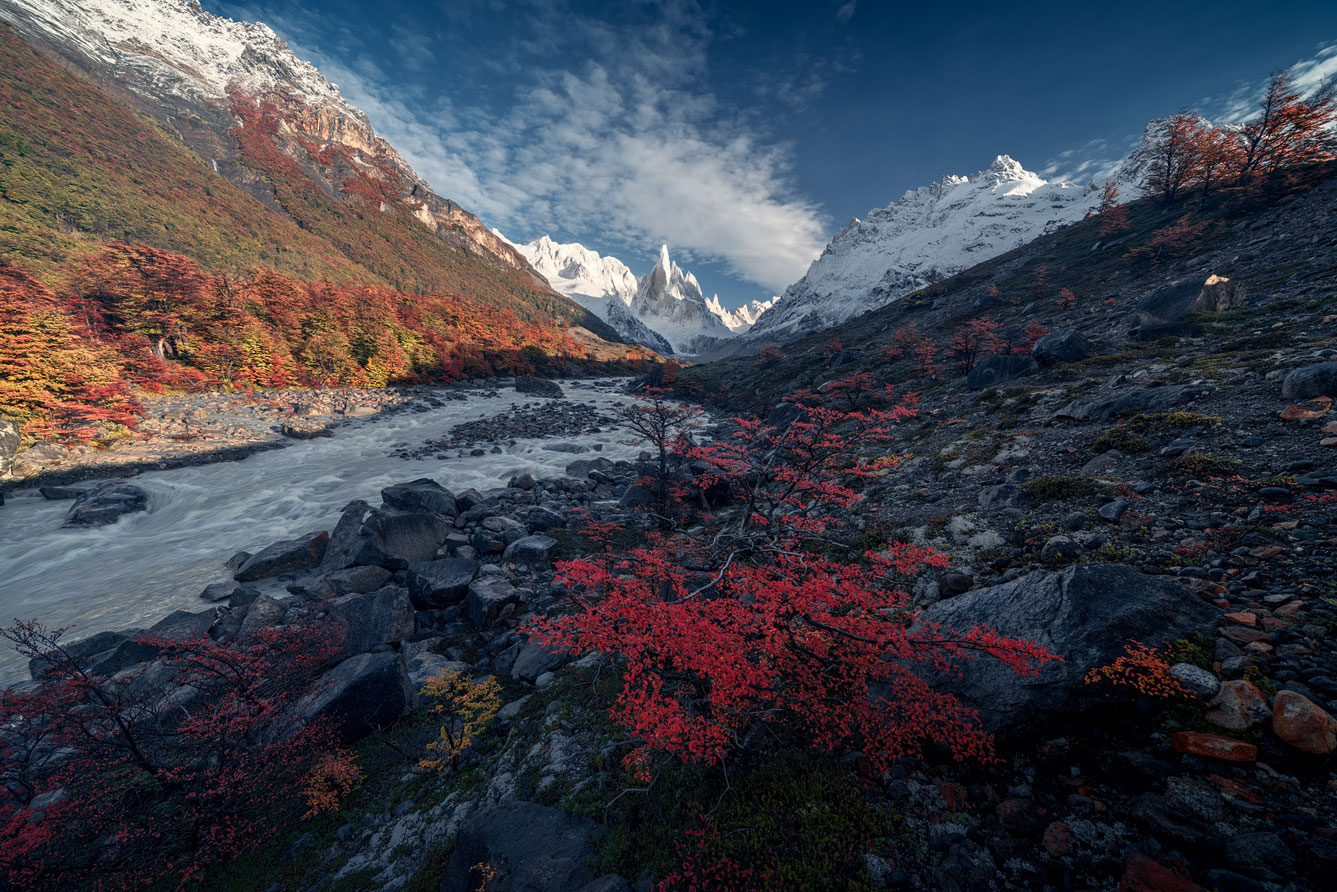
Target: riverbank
[184, 430]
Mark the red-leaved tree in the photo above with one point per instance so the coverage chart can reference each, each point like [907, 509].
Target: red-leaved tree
[152, 774]
[763, 617]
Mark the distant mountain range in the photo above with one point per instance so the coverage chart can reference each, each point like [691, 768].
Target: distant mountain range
[664, 309]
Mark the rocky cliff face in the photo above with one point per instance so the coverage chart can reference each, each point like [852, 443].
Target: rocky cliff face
[188, 68]
[670, 300]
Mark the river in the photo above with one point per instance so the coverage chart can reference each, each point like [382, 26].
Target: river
[144, 566]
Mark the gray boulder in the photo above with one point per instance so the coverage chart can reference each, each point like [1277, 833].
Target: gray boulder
[366, 536]
[352, 581]
[423, 496]
[288, 556]
[1311, 381]
[425, 665]
[262, 613]
[1172, 301]
[1131, 402]
[1064, 345]
[487, 598]
[361, 694]
[532, 551]
[535, 659]
[1085, 614]
[1218, 295]
[182, 625]
[1003, 496]
[370, 621]
[9, 444]
[103, 654]
[994, 370]
[530, 848]
[537, 386]
[436, 584]
[106, 503]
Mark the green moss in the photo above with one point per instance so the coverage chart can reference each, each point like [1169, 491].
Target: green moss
[1122, 439]
[1199, 650]
[1195, 465]
[1054, 487]
[1154, 421]
[799, 823]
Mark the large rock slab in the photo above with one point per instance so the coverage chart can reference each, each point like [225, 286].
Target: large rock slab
[421, 496]
[538, 386]
[370, 621]
[361, 694]
[531, 551]
[288, 556]
[1064, 345]
[1130, 402]
[1172, 301]
[994, 370]
[9, 444]
[1086, 614]
[367, 536]
[106, 504]
[529, 848]
[1311, 381]
[488, 596]
[103, 654]
[1219, 294]
[436, 584]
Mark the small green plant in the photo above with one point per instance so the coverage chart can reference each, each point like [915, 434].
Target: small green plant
[1053, 487]
[1153, 421]
[1122, 439]
[1196, 465]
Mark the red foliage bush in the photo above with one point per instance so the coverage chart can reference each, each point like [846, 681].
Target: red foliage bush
[159, 771]
[761, 618]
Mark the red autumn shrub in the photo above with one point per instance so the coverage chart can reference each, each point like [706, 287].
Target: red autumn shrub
[761, 617]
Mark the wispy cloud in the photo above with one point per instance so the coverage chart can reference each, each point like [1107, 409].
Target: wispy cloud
[846, 11]
[627, 146]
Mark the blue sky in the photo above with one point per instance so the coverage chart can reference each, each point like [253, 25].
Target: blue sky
[744, 134]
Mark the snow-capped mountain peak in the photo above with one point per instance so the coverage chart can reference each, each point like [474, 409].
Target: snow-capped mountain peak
[740, 319]
[932, 232]
[670, 301]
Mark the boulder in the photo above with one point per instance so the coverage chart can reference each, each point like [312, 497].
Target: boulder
[1061, 550]
[9, 444]
[1156, 330]
[1086, 614]
[436, 584]
[486, 599]
[352, 581]
[1218, 295]
[366, 536]
[304, 430]
[1311, 381]
[262, 613]
[526, 847]
[994, 370]
[103, 654]
[361, 694]
[532, 551]
[287, 556]
[422, 496]
[1172, 301]
[1213, 746]
[425, 665]
[182, 625]
[372, 620]
[1238, 706]
[537, 386]
[1131, 402]
[61, 493]
[1300, 722]
[1064, 345]
[1197, 681]
[534, 659]
[106, 504]
[1003, 496]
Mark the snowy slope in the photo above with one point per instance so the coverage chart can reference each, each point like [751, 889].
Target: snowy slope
[602, 285]
[929, 234]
